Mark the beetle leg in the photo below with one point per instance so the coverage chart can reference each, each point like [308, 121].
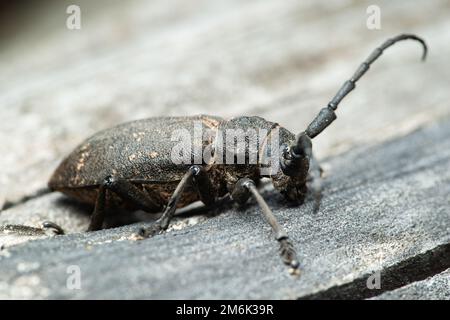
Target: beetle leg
[204, 187]
[98, 216]
[125, 190]
[245, 188]
[196, 175]
[21, 230]
[47, 227]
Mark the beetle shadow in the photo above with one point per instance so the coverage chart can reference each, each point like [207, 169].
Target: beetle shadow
[118, 217]
[115, 217]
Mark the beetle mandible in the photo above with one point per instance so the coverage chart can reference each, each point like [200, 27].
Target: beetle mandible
[131, 165]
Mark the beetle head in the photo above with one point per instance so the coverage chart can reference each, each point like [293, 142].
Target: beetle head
[292, 159]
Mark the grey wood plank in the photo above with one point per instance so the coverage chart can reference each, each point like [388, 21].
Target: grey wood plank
[387, 185]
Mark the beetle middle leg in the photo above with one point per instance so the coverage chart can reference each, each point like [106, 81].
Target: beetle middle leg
[196, 175]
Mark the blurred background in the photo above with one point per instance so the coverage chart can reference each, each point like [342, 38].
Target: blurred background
[282, 60]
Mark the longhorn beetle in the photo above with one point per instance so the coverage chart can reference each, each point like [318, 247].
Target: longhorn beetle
[131, 165]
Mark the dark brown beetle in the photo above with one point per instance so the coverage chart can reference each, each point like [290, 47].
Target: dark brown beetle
[132, 164]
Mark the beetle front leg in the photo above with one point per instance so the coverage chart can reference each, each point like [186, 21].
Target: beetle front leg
[245, 188]
[197, 175]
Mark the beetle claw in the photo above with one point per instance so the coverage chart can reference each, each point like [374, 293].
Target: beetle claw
[52, 227]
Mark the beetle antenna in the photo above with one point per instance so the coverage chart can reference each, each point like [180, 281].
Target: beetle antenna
[327, 115]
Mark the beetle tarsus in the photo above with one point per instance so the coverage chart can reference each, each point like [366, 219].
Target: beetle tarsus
[21, 230]
[288, 253]
[47, 228]
[151, 231]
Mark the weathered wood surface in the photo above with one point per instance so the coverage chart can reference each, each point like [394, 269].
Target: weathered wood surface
[385, 201]
[379, 209]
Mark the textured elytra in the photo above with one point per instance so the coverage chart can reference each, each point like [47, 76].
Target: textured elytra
[138, 150]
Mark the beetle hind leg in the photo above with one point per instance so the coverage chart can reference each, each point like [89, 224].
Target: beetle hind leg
[47, 228]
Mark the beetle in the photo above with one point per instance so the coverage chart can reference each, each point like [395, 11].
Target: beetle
[132, 165]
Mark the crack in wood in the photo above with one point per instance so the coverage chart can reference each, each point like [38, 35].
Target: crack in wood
[413, 269]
